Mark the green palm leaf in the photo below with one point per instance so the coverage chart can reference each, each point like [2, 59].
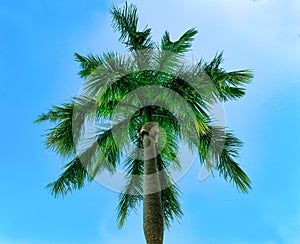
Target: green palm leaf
[126, 22]
[72, 178]
[87, 64]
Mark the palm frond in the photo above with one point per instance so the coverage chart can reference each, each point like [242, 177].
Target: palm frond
[110, 151]
[229, 168]
[169, 195]
[133, 190]
[72, 178]
[169, 137]
[171, 205]
[170, 56]
[229, 84]
[178, 98]
[182, 45]
[57, 113]
[61, 138]
[102, 154]
[114, 67]
[127, 202]
[218, 149]
[87, 64]
[125, 21]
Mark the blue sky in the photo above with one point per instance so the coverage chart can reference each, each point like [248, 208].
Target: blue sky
[37, 42]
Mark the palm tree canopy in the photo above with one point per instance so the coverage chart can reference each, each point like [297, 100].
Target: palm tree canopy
[113, 82]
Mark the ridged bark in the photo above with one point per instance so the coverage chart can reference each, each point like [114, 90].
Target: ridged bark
[153, 216]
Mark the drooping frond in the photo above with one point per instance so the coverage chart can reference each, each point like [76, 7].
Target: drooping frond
[110, 151]
[169, 194]
[219, 149]
[229, 168]
[72, 178]
[210, 145]
[133, 190]
[102, 154]
[60, 138]
[127, 202]
[69, 119]
[105, 151]
[171, 205]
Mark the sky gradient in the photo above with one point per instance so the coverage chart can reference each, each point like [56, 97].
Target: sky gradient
[37, 43]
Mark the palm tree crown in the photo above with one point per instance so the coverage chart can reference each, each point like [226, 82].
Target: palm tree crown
[122, 93]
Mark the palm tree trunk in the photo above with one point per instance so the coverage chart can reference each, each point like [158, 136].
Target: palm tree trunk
[153, 216]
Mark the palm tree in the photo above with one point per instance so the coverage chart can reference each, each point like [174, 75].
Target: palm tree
[146, 88]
